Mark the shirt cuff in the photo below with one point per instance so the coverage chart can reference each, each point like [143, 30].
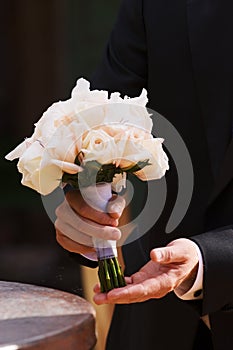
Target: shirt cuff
[196, 291]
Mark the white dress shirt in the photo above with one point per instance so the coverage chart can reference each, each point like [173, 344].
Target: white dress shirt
[196, 290]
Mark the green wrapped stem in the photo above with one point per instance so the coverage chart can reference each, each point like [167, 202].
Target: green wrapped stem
[110, 274]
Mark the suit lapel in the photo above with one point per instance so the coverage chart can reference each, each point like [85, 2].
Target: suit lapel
[210, 29]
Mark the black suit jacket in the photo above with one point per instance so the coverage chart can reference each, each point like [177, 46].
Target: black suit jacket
[182, 52]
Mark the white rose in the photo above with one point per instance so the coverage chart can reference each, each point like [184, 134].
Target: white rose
[127, 114]
[41, 169]
[116, 130]
[85, 98]
[129, 111]
[137, 135]
[60, 113]
[94, 108]
[122, 131]
[43, 180]
[98, 145]
[66, 142]
[89, 105]
[20, 149]
[158, 160]
[130, 153]
[83, 94]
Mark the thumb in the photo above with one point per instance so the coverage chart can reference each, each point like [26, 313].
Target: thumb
[116, 205]
[167, 255]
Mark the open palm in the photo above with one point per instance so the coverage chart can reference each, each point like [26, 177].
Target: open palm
[167, 269]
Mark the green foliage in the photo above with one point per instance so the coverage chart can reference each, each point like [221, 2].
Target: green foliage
[94, 172]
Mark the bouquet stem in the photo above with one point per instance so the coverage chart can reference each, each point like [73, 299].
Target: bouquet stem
[110, 274]
[109, 270]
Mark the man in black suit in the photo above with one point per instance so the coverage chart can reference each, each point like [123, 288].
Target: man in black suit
[182, 53]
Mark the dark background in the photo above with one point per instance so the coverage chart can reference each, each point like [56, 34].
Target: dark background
[46, 45]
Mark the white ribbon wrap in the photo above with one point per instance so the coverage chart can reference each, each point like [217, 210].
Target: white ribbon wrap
[97, 196]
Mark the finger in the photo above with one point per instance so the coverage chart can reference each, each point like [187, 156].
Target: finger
[106, 298]
[134, 293]
[116, 206]
[78, 204]
[101, 298]
[73, 234]
[168, 255]
[177, 251]
[70, 219]
[124, 295]
[72, 246]
[96, 288]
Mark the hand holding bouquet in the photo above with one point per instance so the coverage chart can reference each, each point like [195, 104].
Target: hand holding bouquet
[92, 142]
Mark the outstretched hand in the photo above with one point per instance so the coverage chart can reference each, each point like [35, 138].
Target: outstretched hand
[167, 269]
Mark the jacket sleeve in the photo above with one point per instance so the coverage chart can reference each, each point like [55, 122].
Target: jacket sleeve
[217, 251]
[124, 64]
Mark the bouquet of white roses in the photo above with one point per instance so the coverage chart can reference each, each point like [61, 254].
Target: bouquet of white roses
[91, 142]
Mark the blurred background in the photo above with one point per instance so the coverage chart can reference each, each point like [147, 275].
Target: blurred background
[46, 45]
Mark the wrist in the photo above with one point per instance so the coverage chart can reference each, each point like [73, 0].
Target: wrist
[189, 280]
[192, 287]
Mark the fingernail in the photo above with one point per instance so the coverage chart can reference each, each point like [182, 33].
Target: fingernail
[159, 255]
[116, 235]
[115, 208]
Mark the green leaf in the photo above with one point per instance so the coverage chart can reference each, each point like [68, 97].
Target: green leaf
[140, 165]
[71, 179]
[94, 172]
